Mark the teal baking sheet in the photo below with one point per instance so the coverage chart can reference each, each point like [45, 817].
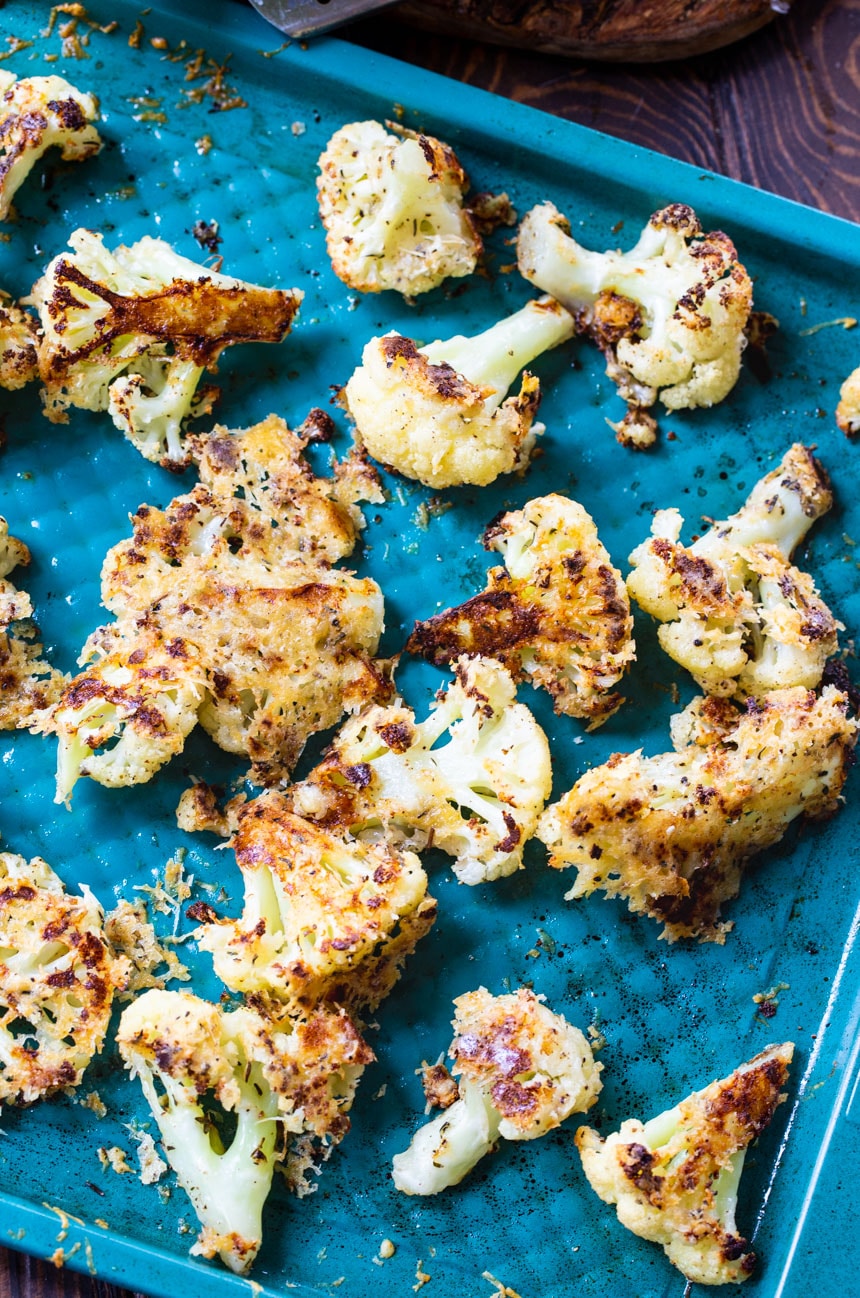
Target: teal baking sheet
[673, 1018]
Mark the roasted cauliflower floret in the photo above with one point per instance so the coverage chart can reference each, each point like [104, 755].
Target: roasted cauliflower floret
[734, 611]
[477, 796]
[439, 413]
[130, 711]
[19, 345]
[672, 833]
[131, 331]
[669, 315]
[37, 114]
[392, 206]
[557, 614]
[229, 614]
[324, 917]
[28, 684]
[674, 1179]
[521, 1071]
[274, 1077]
[848, 410]
[58, 976]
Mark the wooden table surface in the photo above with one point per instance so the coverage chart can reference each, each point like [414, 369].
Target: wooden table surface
[780, 110]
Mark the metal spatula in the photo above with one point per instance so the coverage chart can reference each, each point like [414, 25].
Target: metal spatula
[310, 17]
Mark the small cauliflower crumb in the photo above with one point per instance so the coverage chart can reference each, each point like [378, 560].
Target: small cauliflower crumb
[387, 1249]
[131, 934]
[116, 1159]
[421, 1277]
[94, 1102]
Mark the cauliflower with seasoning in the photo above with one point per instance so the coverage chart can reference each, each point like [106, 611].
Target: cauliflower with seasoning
[58, 976]
[392, 207]
[557, 614]
[674, 1179]
[19, 343]
[28, 684]
[229, 614]
[324, 917]
[476, 796]
[274, 1078]
[668, 315]
[37, 114]
[130, 711]
[732, 609]
[521, 1071]
[131, 331]
[848, 410]
[672, 833]
[439, 414]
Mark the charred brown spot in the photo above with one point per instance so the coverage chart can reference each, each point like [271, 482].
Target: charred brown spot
[69, 113]
[202, 912]
[397, 735]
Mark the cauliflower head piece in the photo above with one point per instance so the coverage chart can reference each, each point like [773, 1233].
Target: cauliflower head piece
[848, 409]
[275, 1078]
[129, 712]
[392, 207]
[19, 345]
[229, 613]
[28, 683]
[324, 918]
[733, 610]
[131, 331]
[521, 1071]
[672, 833]
[37, 114]
[557, 614]
[58, 976]
[674, 1179]
[471, 779]
[439, 413]
[669, 314]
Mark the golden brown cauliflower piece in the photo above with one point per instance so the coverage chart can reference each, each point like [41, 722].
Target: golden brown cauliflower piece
[28, 684]
[324, 917]
[19, 343]
[131, 331]
[37, 114]
[674, 1179]
[228, 613]
[272, 1076]
[477, 796]
[439, 414]
[557, 614]
[58, 976]
[672, 833]
[521, 1071]
[848, 410]
[732, 609]
[392, 207]
[668, 315]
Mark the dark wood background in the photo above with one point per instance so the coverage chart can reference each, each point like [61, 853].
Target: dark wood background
[780, 110]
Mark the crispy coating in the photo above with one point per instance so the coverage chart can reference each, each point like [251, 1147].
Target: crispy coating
[132, 330]
[430, 423]
[669, 315]
[36, 114]
[476, 797]
[229, 614]
[848, 409]
[324, 918]
[28, 684]
[392, 207]
[672, 833]
[535, 1067]
[58, 976]
[557, 614]
[19, 343]
[674, 1179]
[733, 610]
